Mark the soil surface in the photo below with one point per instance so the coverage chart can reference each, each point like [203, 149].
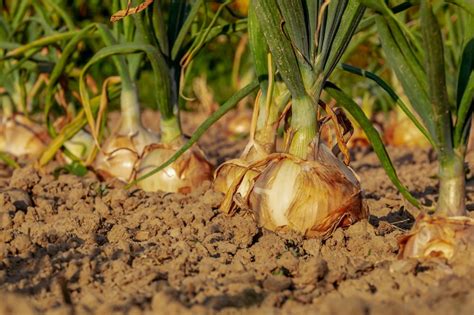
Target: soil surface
[73, 245]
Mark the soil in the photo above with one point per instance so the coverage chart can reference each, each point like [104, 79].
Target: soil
[73, 245]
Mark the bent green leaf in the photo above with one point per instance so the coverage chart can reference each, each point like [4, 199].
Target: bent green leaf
[356, 112]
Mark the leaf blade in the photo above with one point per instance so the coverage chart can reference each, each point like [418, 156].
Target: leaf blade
[356, 112]
[280, 47]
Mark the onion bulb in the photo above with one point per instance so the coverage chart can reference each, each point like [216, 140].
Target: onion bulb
[437, 236]
[20, 136]
[188, 172]
[122, 151]
[312, 197]
[401, 132]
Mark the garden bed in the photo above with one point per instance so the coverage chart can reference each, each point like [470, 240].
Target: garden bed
[74, 245]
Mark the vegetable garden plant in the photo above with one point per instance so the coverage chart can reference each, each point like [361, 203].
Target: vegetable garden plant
[418, 59]
[299, 183]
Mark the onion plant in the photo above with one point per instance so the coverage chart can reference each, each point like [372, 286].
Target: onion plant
[24, 79]
[122, 150]
[418, 58]
[302, 186]
[170, 42]
[50, 53]
[233, 177]
[19, 134]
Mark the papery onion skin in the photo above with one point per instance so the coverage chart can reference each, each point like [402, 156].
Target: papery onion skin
[183, 176]
[20, 136]
[436, 236]
[226, 173]
[121, 153]
[325, 156]
[306, 196]
[235, 178]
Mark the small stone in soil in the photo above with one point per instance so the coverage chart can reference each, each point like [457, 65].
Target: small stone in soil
[276, 283]
[20, 199]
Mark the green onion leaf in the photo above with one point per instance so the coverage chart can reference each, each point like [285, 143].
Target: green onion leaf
[386, 87]
[295, 26]
[282, 51]
[434, 61]
[358, 114]
[402, 64]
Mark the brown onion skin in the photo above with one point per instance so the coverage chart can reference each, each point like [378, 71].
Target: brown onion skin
[20, 136]
[323, 199]
[183, 176]
[122, 151]
[436, 236]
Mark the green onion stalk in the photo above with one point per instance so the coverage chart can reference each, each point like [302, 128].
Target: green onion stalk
[121, 151]
[303, 186]
[444, 118]
[273, 96]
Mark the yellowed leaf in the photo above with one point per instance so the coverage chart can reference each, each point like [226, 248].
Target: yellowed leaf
[129, 10]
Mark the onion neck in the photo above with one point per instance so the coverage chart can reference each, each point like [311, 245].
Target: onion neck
[265, 133]
[304, 126]
[7, 107]
[170, 129]
[130, 109]
[170, 126]
[19, 98]
[452, 185]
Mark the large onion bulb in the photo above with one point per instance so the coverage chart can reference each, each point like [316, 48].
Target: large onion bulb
[312, 197]
[20, 136]
[185, 174]
[437, 236]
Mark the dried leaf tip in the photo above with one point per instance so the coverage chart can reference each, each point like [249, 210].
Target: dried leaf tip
[130, 10]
